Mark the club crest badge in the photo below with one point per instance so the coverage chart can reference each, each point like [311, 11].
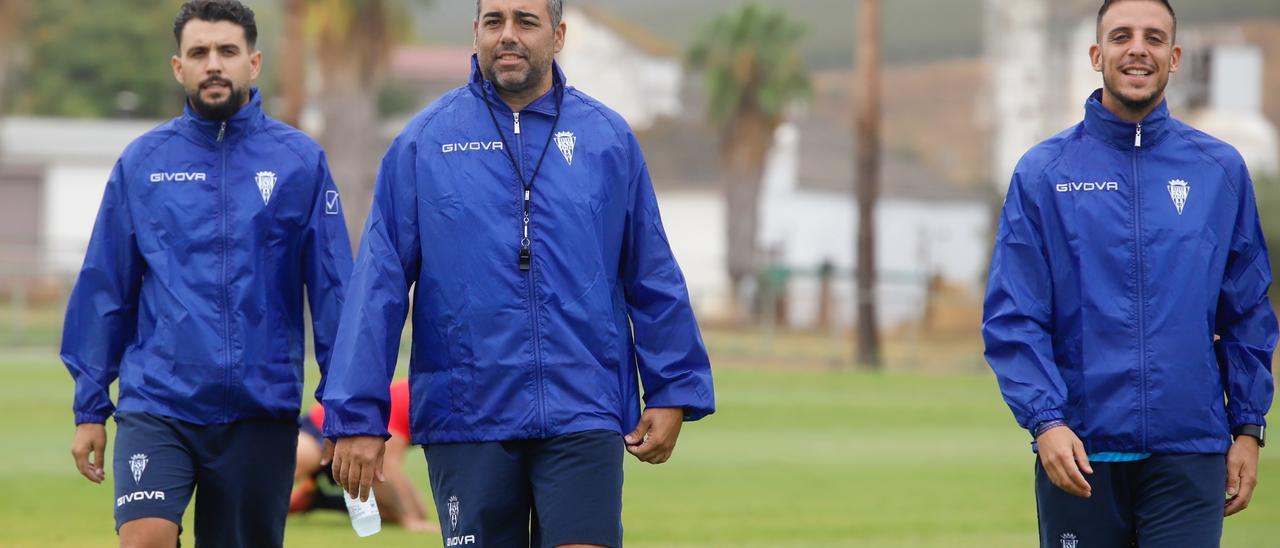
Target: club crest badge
[266, 183]
[566, 141]
[1178, 191]
[1069, 540]
[453, 513]
[138, 464]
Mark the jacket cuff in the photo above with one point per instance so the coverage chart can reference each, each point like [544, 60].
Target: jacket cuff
[1241, 419]
[91, 418]
[340, 423]
[693, 410]
[1051, 414]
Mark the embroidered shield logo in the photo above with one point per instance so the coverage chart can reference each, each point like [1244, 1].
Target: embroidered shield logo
[1178, 191]
[138, 464]
[266, 183]
[566, 141]
[453, 513]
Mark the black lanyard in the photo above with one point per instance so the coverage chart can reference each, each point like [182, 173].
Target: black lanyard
[526, 252]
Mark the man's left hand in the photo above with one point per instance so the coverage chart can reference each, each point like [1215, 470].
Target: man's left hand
[1242, 474]
[654, 438]
[357, 461]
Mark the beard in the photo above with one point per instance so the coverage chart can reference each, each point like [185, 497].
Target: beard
[1135, 104]
[220, 110]
[512, 82]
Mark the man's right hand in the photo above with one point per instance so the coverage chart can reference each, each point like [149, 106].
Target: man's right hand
[91, 439]
[1063, 457]
[356, 462]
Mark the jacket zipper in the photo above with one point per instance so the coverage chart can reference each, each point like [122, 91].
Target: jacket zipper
[526, 255]
[226, 299]
[1142, 304]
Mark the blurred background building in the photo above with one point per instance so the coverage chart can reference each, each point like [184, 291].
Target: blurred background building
[968, 85]
[1036, 51]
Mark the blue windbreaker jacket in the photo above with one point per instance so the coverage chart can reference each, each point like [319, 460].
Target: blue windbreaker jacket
[499, 353]
[192, 286]
[1128, 288]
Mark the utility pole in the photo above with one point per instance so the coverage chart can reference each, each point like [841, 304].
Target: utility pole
[866, 88]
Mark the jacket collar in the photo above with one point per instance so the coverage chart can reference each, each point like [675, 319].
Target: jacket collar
[1105, 125]
[242, 123]
[548, 104]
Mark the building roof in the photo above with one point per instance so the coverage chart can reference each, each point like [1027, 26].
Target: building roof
[827, 162]
[639, 36]
[431, 64]
[44, 140]
[684, 153]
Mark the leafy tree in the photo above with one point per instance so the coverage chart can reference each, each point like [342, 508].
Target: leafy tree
[12, 15]
[98, 59]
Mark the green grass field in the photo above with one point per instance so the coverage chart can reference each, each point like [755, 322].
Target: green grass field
[794, 457]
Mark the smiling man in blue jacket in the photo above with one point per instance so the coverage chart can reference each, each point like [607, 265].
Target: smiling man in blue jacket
[520, 214]
[212, 227]
[1126, 314]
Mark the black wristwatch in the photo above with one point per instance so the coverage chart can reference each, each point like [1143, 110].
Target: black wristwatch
[1254, 430]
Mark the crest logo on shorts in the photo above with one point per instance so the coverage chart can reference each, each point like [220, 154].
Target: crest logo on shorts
[1069, 540]
[266, 183]
[453, 513]
[566, 141]
[138, 464]
[1178, 190]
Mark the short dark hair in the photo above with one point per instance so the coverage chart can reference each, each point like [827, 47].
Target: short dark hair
[554, 7]
[213, 11]
[1106, 6]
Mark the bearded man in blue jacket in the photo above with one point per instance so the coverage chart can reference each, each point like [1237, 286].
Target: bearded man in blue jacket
[211, 228]
[520, 213]
[1126, 315]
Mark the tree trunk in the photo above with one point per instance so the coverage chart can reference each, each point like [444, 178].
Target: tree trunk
[352, 58]
[292, 63]
[351, 131]
[744, 146]
[868, 172]
[5, 53]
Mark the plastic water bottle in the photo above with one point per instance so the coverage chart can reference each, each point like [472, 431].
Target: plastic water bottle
[365, 518]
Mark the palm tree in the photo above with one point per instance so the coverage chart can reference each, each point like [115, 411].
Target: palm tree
[352, 40]
[753, 71]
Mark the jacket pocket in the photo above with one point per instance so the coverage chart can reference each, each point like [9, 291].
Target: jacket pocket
[462, 367]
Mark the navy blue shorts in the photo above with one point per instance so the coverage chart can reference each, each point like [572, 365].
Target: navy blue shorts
[538, 493]
[1167, 501]
[241, 474]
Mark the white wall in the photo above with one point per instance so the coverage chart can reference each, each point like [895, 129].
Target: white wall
[639, 86]
[1017, 45]
[695, 223]
[72, 194]
[915, 238]
[1235, 107]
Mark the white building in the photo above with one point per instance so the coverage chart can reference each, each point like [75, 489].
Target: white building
[1232, 110]
[51, 183]
[808, 216]
[1040, 76]
[627, 68]
[924, 227]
